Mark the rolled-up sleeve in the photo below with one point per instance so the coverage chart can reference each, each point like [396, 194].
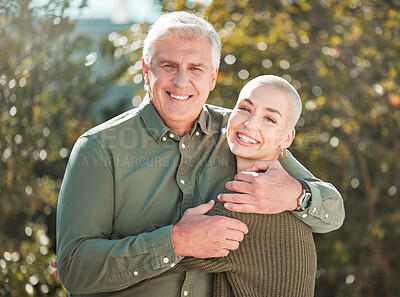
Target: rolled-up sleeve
[89, 261]
[326, 212]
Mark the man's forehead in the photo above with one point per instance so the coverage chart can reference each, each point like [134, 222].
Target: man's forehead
[178, 50]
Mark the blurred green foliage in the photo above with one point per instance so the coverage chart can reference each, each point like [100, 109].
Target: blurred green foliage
[342, 56]
[46, 92]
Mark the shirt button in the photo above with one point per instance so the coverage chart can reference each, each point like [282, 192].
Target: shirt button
[165, 260]
[172, 265]
[326, 216]
[314, 209]
[183, 145]
[164, 138]
[171, 135]
[182, 181]
[135, 273]
[304, 216]
[185, 293]
[197, 133]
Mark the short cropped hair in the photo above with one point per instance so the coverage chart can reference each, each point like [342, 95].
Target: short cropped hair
[185, 25]
[284, 86]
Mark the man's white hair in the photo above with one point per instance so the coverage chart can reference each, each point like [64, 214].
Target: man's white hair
[284, 86]
[186, 25]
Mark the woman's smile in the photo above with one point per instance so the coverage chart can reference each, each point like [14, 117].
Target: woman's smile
[245, 139]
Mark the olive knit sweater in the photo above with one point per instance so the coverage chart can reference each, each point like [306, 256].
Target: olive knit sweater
[277, 258]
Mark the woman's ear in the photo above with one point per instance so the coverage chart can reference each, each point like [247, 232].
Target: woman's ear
[288, 139]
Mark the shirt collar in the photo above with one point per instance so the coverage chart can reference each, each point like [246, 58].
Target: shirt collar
[152, 120]
[156, 126]
[204, 121]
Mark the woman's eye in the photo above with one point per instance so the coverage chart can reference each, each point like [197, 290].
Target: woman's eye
[269, 119]
[244, 108]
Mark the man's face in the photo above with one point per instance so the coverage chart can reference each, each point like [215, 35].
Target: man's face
[180, 77]
[257, 127]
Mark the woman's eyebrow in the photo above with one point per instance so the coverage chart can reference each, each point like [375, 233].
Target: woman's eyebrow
[266, 108]
[248, 101]
[273, 110]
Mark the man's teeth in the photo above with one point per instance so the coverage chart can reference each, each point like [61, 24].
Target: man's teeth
[179, 97]
[247, 139]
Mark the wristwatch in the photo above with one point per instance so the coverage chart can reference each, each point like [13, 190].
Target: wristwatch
[305, 197]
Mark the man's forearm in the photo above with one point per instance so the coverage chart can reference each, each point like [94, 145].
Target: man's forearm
[102, 265]
[326, 212]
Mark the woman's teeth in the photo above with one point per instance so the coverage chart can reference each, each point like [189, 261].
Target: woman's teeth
[246, 139]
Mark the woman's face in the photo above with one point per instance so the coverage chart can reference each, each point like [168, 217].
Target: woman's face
[257, 127]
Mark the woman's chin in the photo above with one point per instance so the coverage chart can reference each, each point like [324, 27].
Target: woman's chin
[243, 154]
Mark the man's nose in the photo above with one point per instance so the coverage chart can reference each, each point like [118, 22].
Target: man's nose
[181, 78]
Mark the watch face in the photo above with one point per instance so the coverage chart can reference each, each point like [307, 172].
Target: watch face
[305, 201]
[305, 197]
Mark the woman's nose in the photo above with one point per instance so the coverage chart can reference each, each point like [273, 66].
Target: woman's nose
[251, 124]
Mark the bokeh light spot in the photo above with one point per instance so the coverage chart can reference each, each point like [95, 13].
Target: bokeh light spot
[243, 74]
[230, 59]
[355, 183]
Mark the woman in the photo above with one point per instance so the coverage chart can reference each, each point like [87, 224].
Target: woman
[277, 256]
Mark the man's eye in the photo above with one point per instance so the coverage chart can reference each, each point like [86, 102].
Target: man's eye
[195, 68]
[168, 66]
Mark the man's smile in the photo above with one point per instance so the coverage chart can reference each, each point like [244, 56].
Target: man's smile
[179, 97]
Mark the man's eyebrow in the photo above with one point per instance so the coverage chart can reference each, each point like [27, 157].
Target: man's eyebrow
[201, 65]
[267, 108]
[166, 61]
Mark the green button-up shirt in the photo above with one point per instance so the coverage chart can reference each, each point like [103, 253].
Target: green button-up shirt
[132, 172]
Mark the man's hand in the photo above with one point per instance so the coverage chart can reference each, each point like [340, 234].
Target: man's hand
[266, 193]
[202, 236]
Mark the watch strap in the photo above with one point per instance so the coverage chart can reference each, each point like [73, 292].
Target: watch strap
[304, 201]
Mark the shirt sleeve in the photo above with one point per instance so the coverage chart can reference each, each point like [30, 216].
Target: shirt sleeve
[89, 261]
[326, 212]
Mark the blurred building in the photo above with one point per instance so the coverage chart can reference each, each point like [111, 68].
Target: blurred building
[97, 21]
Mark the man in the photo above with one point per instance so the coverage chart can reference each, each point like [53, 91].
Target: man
[157, 165]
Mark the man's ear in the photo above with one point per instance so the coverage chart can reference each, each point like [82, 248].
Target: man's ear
[288, 139]
[145, 72]
[214, 78]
